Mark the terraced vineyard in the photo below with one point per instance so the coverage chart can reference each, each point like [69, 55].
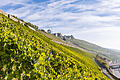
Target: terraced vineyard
[29, 55]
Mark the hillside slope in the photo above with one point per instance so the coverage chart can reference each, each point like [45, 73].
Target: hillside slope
[108, 53]
[52, 37]
[28, 55]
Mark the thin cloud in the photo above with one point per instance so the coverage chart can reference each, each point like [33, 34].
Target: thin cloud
[72, 16]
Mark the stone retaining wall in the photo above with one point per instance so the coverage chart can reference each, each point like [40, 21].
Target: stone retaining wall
[12, 17]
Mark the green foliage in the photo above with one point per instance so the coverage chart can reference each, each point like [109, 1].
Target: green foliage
[101, 61]
[31, 25]
[42, 30]
[24, 56]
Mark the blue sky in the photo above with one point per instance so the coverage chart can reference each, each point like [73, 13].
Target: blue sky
[96, 21]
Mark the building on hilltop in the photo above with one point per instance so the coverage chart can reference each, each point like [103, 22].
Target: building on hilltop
[70, 37]
[67, 37]
[58, 35]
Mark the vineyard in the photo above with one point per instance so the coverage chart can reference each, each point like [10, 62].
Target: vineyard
[28, 55]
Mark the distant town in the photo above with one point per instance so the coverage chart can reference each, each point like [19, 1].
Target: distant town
[63, 37]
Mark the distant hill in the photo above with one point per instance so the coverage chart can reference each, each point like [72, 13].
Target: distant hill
[109, 53]
[118, 51]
